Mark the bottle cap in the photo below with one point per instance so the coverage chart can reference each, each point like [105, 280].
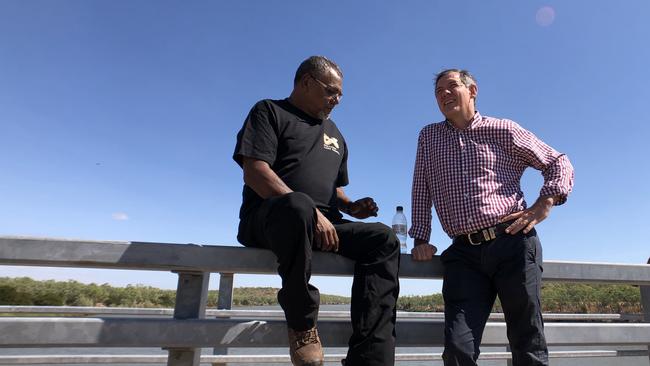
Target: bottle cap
[400, 208]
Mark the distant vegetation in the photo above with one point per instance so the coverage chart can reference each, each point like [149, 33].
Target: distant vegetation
[26, 291]
[586, 298]
[556, 297]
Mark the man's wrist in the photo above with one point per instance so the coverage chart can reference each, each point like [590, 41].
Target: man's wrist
[547, 201]
[345, 207]
[418, 242]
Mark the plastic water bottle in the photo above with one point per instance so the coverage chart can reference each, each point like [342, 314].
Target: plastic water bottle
[399, 227]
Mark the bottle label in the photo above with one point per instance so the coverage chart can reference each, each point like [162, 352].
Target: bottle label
[399, 229]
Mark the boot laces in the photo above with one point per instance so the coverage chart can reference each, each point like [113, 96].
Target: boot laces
[307, 337]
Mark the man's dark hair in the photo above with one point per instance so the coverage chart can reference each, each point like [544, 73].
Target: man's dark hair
[465, 77]
[316, 66]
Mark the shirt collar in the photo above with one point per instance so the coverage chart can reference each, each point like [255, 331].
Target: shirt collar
[302, 115]
[475, 122]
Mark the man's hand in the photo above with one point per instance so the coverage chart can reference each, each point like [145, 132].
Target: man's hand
[325, 236]
[528, 218]
[363, 208]
[423, 251]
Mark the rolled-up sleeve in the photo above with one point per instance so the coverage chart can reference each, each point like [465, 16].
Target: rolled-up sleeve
[558, 179]
[421, 201]
[555, 167]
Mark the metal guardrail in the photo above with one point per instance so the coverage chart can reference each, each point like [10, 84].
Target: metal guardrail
[234, 359]
[188, 330]
[228, 259]
[279, 314]
[184, 333]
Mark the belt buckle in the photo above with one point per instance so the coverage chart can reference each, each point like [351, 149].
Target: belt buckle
[469, 237]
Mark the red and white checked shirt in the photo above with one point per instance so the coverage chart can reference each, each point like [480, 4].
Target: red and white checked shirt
[472, 176]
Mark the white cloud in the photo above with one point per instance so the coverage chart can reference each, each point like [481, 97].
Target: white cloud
[120, 216]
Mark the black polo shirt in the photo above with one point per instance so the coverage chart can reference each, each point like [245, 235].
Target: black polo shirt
[308, 154]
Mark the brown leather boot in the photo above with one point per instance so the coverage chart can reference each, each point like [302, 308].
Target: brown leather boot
[305, 348]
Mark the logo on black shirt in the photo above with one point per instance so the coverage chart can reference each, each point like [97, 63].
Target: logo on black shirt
[331, 143]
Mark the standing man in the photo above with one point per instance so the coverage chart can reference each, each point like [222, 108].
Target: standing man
[294, 160]
[469, 167]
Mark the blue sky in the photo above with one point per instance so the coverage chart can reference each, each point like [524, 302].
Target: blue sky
[118, 118]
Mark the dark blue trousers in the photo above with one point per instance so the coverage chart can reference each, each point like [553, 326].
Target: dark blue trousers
[285, 225]
[510, 267]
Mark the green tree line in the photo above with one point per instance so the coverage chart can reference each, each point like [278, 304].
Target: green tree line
[556, 297]
[26, 291]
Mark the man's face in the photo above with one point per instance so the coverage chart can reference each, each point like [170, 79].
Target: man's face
[324, 92]
[455, 100]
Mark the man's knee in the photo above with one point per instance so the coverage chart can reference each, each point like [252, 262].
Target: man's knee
[377, 244]
[296, 206]
[459, 352]
[461, 344]
[387, 240]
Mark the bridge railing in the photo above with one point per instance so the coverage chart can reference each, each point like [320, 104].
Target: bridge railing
[189, 330]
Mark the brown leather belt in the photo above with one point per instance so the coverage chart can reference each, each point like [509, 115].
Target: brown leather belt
[481, 236]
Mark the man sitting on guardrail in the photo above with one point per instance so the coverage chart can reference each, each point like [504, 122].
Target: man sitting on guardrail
[469, 167]
[294, 161]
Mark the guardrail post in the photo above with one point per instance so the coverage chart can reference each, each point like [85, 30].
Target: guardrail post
[226, 283]
[645, 304]
[191, 301]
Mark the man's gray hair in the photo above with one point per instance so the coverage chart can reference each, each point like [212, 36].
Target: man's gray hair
[465, 77]
[316, 66]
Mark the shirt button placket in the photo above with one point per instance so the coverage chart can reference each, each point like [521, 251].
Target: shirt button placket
[464, 165]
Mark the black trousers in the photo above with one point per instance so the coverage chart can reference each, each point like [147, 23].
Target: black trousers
[510, 267]
[285, 224]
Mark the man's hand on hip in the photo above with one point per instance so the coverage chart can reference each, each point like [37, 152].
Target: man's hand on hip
[325, 236]
[528, 218]
[423, 251]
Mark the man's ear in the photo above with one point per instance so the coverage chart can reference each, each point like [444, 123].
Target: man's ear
[473, 91]
[304, 81]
